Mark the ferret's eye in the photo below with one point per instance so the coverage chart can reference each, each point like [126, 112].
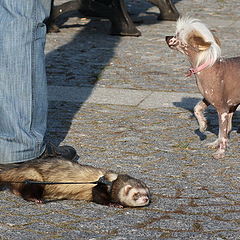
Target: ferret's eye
[136, 196]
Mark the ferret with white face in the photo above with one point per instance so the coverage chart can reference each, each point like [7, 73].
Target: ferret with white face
[119, 190]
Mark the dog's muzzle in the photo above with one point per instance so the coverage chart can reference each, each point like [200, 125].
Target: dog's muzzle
[171, 41]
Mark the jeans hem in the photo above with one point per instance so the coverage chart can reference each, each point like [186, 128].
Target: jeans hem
[34, 156]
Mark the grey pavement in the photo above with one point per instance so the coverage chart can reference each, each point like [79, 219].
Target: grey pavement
[125, 104]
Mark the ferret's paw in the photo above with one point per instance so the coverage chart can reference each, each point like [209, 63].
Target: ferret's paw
[39, 201]
[35, 200]
[116, 205]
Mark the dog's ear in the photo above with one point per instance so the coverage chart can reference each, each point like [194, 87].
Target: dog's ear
[198, 43]
[217, 40]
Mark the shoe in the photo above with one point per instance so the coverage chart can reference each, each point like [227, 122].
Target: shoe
[66, 152]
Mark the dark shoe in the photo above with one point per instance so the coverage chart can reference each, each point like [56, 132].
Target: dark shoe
[66, 152]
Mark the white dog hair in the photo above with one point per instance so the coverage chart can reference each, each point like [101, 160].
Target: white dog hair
[186, 26]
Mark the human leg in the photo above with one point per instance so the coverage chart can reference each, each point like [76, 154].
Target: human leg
[23, 86]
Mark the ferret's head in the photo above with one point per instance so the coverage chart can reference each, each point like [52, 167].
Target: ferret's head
[195, 40]
[130, 192]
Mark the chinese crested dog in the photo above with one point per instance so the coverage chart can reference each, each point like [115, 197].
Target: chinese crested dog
[218, 79]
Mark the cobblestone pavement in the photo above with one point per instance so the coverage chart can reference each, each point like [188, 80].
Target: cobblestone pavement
[123, 103]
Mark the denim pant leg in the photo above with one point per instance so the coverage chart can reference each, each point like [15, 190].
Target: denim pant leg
[23, 85]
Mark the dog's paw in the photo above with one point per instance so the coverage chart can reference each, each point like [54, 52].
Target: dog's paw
[203, 127]
[220, 153]
[214, 144]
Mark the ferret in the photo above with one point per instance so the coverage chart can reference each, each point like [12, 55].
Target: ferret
[118, 190]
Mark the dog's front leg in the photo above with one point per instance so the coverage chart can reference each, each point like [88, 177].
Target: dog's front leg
[224, 119]
[198, 112]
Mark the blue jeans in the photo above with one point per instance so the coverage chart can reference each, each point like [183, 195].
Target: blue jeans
[23, 85]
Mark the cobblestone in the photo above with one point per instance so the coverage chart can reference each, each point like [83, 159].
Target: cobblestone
[124, 102]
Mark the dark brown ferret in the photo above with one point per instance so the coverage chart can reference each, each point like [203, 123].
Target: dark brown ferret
[117, 189]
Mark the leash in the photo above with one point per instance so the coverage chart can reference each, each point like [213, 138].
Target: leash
[101, 180]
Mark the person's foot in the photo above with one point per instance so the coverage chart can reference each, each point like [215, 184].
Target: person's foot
[66, 152]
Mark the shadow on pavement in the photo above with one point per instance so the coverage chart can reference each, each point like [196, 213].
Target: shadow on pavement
[80, 62]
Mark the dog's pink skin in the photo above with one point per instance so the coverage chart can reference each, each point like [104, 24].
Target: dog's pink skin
[220, 87]
[198, 112]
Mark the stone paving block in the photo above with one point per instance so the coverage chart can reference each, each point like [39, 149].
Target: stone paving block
[97, 95]
[170, 99]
